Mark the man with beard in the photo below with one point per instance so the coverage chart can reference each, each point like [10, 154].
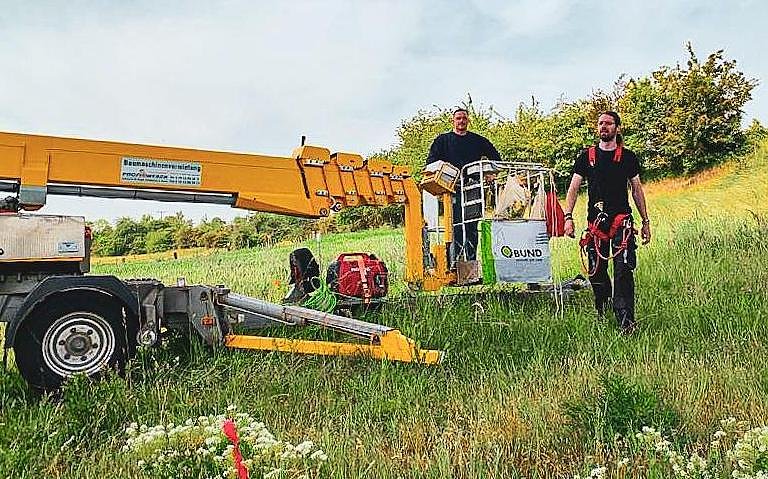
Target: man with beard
[459, 148]
[608, 167]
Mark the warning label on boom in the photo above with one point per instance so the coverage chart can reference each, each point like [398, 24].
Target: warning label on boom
[160, 172]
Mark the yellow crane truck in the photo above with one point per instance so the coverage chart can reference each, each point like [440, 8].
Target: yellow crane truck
[62, 322]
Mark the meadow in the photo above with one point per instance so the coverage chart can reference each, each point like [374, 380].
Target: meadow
[525, 391]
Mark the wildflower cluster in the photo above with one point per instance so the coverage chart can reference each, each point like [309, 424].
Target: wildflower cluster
[750, 455]
[199, 448]
[734, 451]
[597, 472]
[653, 442]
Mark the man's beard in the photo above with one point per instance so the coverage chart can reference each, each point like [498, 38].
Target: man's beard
[607, 136]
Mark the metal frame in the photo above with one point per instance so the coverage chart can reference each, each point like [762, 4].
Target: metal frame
[476, 171]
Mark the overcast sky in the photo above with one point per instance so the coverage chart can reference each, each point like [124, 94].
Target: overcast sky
[255, 76]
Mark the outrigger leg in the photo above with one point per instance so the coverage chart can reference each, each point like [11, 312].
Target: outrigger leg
[382, 342]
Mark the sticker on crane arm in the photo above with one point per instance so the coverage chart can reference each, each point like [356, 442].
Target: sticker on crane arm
[160, 172]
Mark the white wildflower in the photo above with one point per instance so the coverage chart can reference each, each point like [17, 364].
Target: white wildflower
[727, 422]
[597, 472]
[304, 448]
[318, 455]
[696, 463]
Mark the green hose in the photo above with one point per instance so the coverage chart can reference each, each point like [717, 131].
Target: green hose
[321, 299]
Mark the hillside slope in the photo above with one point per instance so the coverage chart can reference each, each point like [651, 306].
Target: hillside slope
[526, 391]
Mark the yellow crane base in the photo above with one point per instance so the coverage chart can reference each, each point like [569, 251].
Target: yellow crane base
[391, 346]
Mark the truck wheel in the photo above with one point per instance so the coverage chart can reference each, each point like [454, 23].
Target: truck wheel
[80, 332]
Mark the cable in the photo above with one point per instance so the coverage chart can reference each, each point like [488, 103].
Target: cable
[557, 289]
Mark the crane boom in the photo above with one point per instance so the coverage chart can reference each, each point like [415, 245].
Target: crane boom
[310, 183]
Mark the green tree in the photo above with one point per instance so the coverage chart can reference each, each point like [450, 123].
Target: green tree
[103, 239]
[129, 237]
[242, 233]
[687, 118]
[213, 233]
[159, 240]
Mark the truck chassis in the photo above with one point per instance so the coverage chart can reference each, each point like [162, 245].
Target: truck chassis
[62, 322]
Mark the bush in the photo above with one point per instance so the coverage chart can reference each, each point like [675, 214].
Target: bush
[618, 406]
[678, 120]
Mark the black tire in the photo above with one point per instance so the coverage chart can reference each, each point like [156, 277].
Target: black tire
[69, 333]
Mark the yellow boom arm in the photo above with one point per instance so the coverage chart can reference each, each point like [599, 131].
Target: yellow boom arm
[311, 183]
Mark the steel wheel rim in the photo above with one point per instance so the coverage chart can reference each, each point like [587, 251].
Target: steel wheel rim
[80, 342]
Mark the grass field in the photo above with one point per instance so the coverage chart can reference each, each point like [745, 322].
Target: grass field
[524, 392]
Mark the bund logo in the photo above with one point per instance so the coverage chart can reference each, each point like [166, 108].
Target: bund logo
[508, 252]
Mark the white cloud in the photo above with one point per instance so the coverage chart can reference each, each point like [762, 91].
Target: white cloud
[240, 76]
[525, 17]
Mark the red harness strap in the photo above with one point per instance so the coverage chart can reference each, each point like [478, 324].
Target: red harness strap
[592, 154]
[596, 236]
[593, 234]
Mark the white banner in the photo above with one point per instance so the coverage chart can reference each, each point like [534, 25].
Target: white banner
[521, 251]
[161, 172]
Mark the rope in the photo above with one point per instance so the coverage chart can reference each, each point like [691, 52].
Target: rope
[557, 284]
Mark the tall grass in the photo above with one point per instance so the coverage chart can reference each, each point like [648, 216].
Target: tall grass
[524, 392]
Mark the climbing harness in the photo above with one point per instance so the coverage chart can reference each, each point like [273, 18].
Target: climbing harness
[597, 234]
[592, 154]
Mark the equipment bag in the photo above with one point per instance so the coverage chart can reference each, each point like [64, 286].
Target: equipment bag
[358, 275]
[555, 216]
[539, 204]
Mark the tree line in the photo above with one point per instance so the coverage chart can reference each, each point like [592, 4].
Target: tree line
[150, 235]
[678, 120]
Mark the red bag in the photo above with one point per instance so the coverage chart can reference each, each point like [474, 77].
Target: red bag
[359, 275]
[555, 216]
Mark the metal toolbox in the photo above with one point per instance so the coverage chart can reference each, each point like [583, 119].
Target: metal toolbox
[25, 237]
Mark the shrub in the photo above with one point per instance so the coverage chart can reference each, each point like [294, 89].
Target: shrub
[618, 406]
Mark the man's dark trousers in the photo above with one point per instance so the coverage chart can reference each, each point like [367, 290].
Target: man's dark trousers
[623, 288]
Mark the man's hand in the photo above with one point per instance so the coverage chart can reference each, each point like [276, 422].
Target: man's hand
[645, 233]
[569, 228]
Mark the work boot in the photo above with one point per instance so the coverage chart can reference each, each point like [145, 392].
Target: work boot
[601, 307]
[626, 320]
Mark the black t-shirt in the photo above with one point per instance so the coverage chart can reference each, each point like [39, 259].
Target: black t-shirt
[607, 180]
[459, 150]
